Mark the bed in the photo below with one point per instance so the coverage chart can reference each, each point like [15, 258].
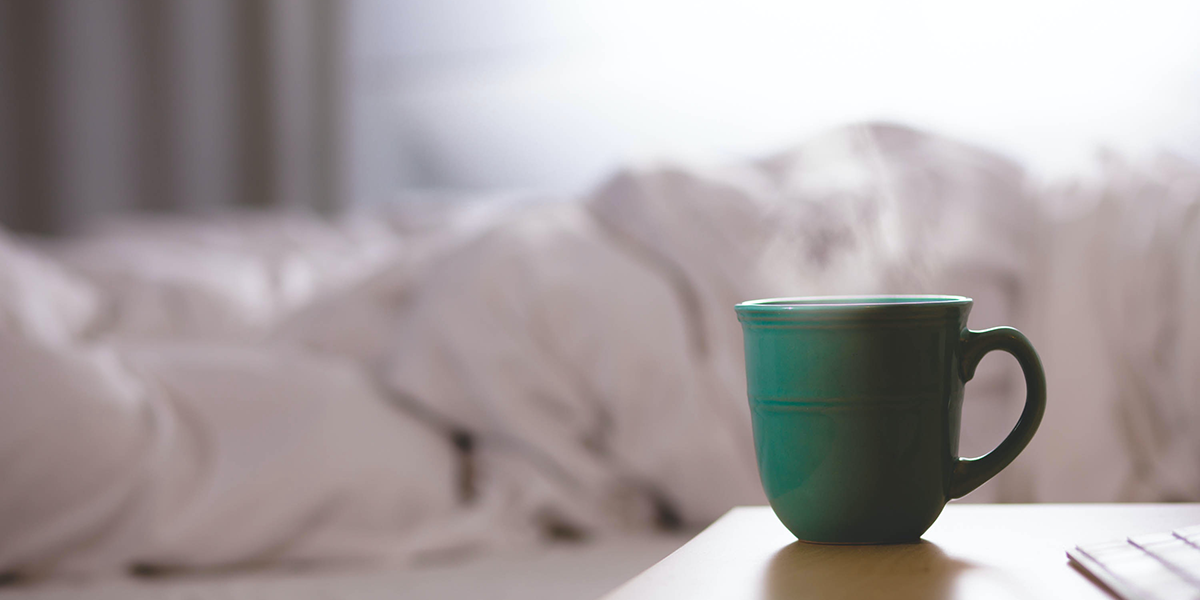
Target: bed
[539, 396]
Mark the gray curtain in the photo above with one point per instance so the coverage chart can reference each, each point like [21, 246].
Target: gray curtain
[167, 105]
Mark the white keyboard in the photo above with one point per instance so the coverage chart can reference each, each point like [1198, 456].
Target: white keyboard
[1147, 567]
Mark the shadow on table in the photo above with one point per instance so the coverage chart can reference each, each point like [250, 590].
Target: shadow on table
[919, 570]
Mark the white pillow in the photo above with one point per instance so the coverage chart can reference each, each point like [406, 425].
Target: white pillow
[209, 456]
[224, 277]
[74, 440]
[39, 299]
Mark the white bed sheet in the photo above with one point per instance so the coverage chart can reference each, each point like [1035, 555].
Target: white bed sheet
[566, 571]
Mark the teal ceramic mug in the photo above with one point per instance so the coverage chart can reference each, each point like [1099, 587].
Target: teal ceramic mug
[856, 403]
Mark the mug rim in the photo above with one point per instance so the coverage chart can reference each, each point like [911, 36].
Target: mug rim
[808, 304]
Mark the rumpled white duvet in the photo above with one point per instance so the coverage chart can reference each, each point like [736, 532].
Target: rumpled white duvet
[408, 386]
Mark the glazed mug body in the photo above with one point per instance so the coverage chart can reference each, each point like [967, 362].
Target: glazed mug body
[855, 404]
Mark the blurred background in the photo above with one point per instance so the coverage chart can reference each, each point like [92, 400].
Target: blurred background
[192, 103]
[445, 287]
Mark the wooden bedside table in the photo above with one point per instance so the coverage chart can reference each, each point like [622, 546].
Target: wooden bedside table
[976, 551]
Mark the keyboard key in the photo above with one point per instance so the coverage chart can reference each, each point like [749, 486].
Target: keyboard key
[1145, 575]
[1178, 555]
[1149, 567]
[1190, 534]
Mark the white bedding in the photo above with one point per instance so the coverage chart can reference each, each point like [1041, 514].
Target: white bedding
[561, 572]
[277, 390]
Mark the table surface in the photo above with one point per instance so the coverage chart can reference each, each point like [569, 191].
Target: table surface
[976, 551]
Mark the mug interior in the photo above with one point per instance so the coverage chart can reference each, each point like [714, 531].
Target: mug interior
[852, 301]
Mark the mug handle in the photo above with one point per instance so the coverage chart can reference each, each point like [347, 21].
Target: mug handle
[970, 473]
